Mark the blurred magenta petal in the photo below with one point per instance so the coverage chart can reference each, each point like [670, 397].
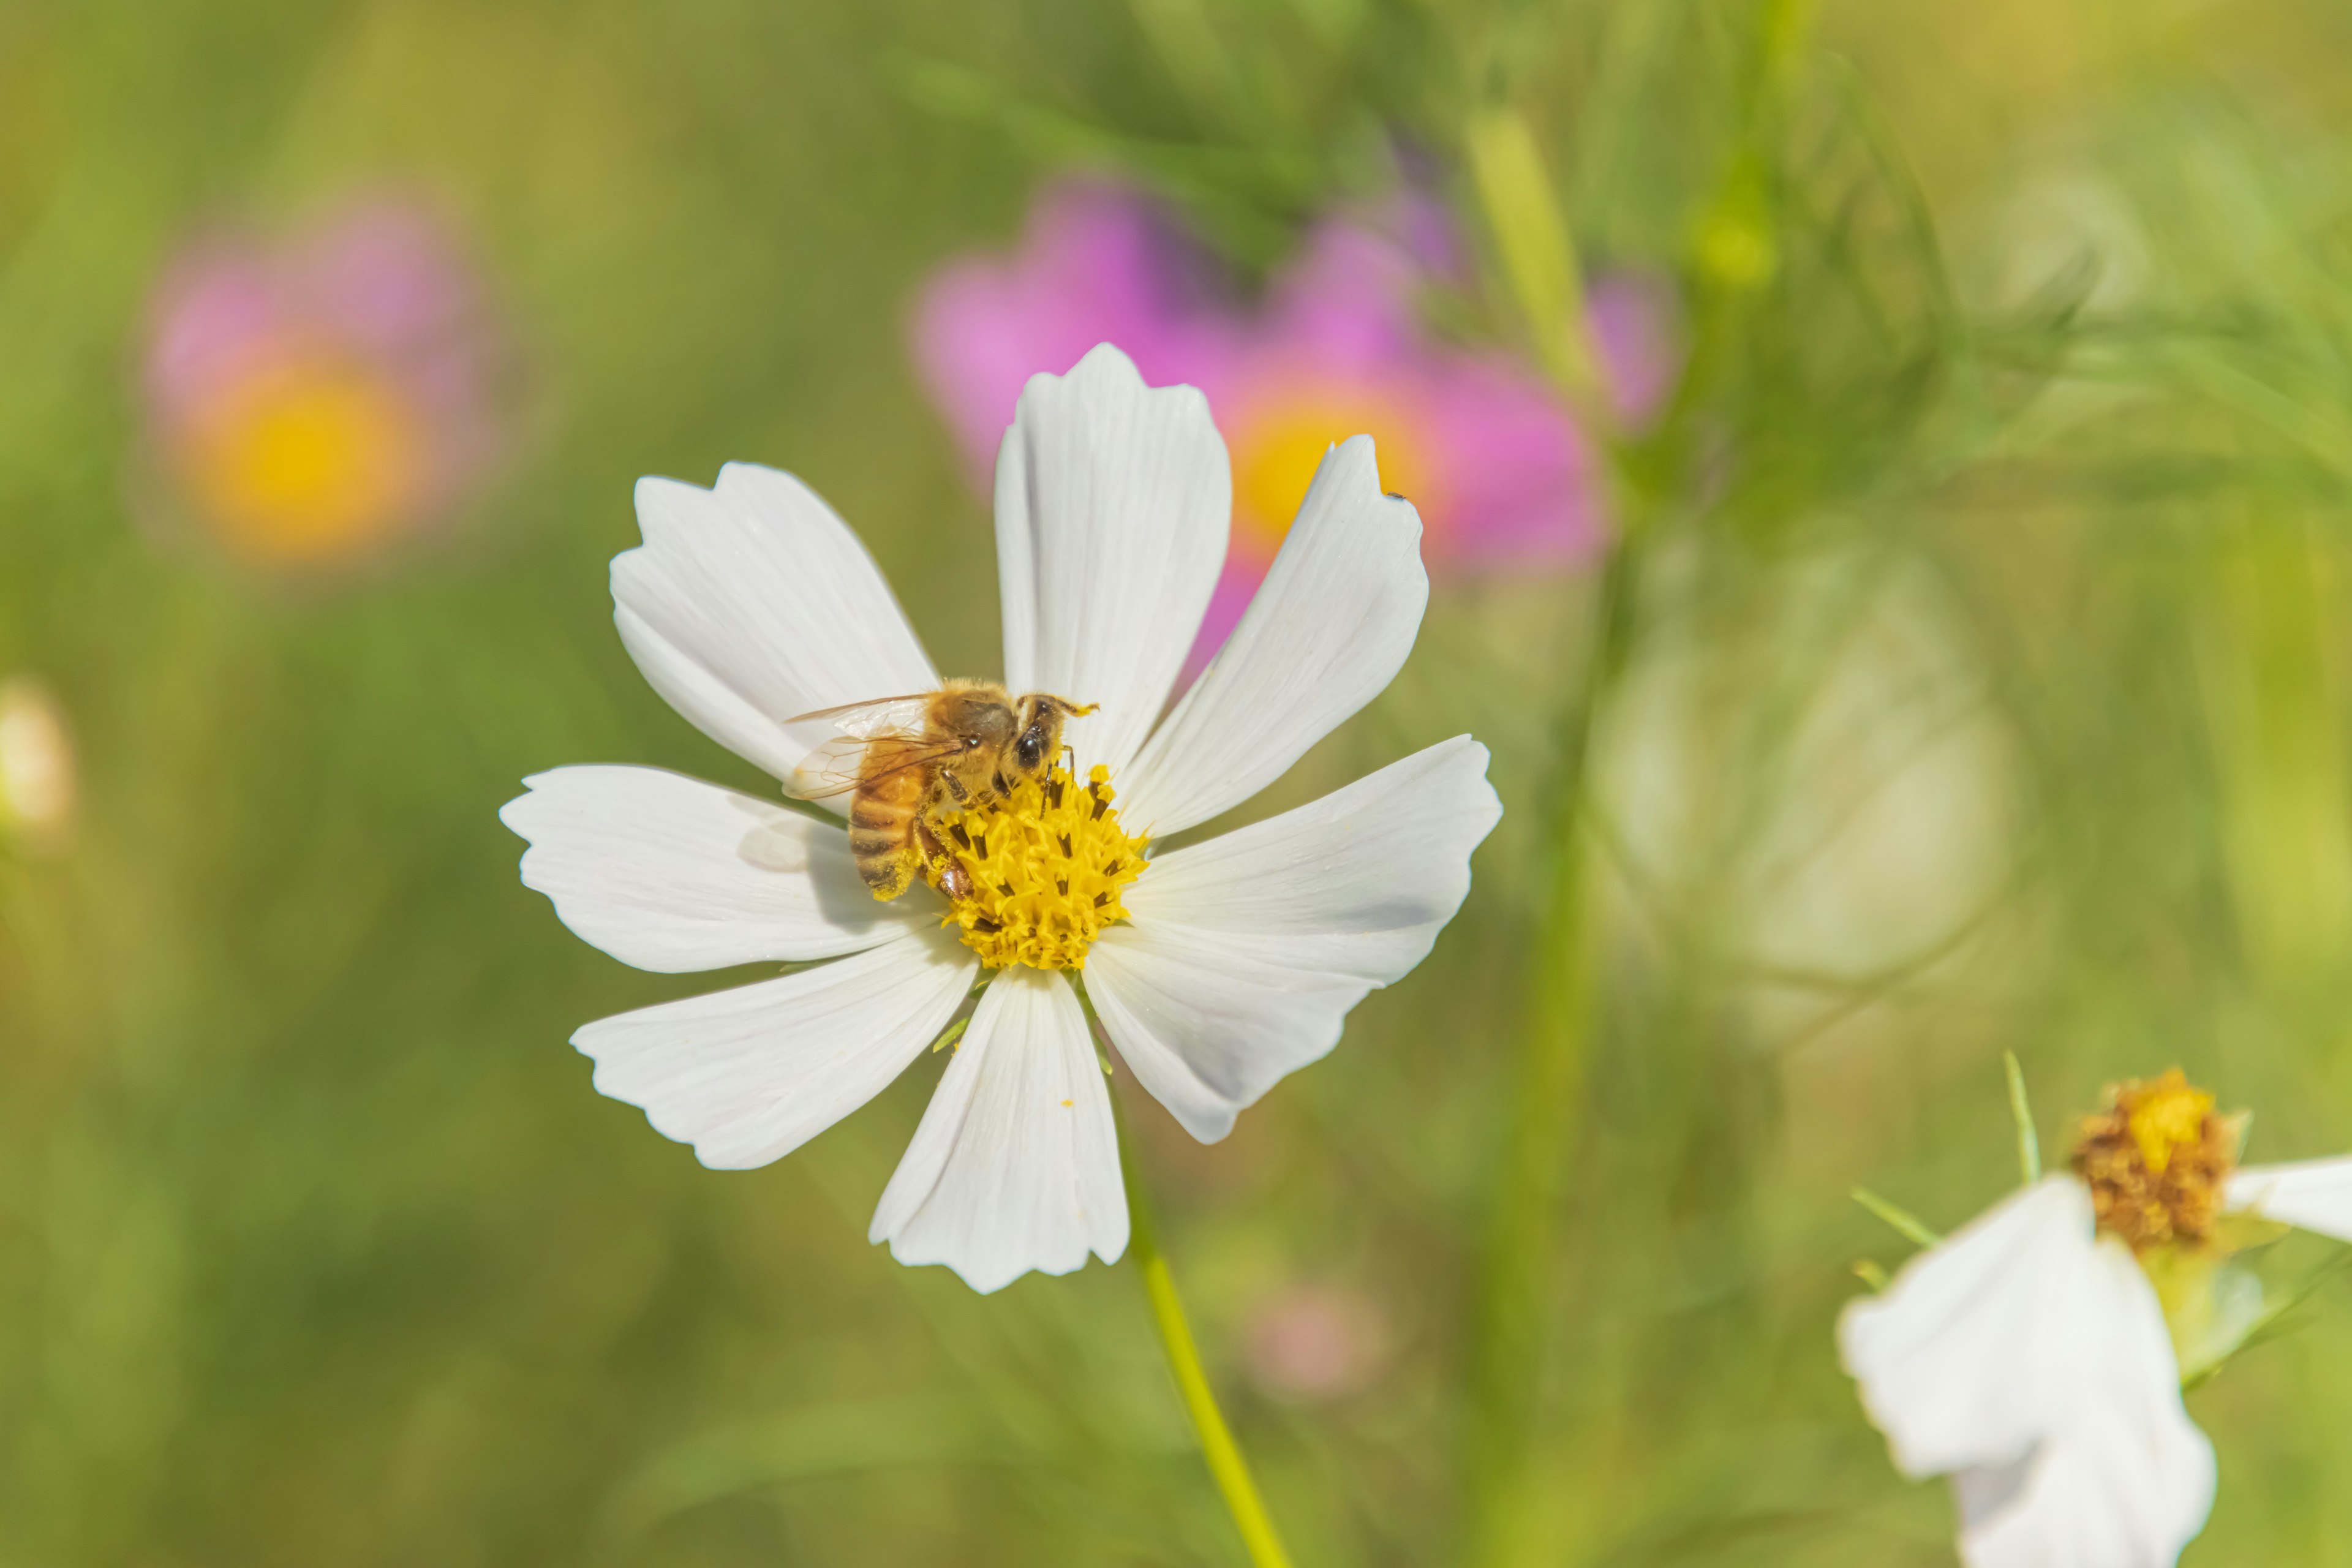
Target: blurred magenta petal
[216, 316]
[1336, 346]
[313, 399]
[1096, 266]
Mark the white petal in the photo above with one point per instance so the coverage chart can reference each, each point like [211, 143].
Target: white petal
[1325, 633]
[1961, 1361]
[672, 874]
[1016, 1165]
[1112, 505]
[2314, 1194]
[2126, 1479]
[749, 1074]
[1245, 952]
[751, 603]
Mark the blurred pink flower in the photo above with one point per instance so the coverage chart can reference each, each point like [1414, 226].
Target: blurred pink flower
[1312, 1343]
[1501, 476]
[315, 399]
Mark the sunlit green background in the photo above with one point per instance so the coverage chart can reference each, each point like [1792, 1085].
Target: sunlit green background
[1989, 693]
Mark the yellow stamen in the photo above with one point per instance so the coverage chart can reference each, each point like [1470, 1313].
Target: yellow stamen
[1046, 867]
[2170, 1116]
[2156, 1161]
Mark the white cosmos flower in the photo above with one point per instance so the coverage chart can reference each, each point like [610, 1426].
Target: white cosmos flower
[2027, 1357]
[751, 603]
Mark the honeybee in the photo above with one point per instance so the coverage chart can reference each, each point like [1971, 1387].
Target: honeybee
[904, 760]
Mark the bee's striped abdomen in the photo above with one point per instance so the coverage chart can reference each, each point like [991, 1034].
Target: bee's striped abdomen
[882, 816]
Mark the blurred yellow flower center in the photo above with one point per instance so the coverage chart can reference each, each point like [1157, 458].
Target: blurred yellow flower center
[2156, 1161]
[1045, 866]
[305, 461]
[2169, 1116]
[1278, 451]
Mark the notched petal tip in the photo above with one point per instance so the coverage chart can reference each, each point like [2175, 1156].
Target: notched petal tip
[1015, 1168]
[1247, 952]
[1106, 367]
[1113, 508]
[1481, 802]
[749, 1074]
[753, 601]
[1334, 621]
[1359, 460]
[669, 874]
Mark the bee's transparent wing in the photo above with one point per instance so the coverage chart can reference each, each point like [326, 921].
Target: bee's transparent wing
[875, 716]
[829, 770]
[831, 767]
[839, 766]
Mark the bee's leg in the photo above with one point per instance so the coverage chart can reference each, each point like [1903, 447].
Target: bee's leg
[955, 788]
[951, 877]
[888, 876]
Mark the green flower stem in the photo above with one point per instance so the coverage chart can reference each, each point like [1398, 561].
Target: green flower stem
[1516, 1296]
[1217, 1445]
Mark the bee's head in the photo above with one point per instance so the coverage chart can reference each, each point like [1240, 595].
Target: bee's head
[1041, 717]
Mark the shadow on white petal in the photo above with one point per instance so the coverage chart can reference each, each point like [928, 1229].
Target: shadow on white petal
[673, 875]
[1016, 1165]
[1325, 633]
[1113, 501]
[749, 1074]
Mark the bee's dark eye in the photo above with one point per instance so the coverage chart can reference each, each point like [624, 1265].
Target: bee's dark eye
[971, 743]
[1033, 749]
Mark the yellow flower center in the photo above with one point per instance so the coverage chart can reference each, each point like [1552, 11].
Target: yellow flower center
[305, 461]
[1044, 869]
[2156, 1161]
[2167, 1117]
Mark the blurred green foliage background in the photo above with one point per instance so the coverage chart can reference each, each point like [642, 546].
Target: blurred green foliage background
[1986, 690]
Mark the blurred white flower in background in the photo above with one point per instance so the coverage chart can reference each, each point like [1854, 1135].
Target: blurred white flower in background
[2031, 1356]
[2068, 227]
[36, 764]
[1808, 780]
